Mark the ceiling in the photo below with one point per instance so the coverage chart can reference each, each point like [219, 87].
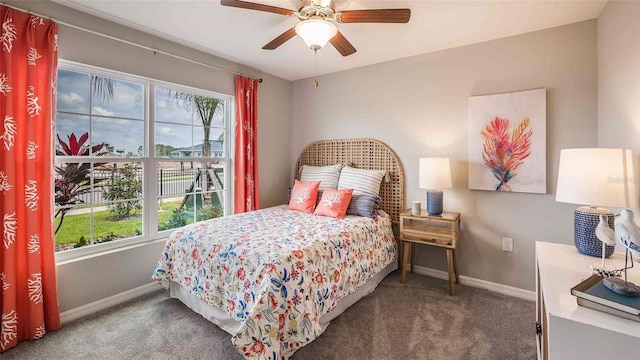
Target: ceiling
[238, 34]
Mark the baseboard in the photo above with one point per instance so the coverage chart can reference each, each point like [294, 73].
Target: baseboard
[477, 283]
[106, 303]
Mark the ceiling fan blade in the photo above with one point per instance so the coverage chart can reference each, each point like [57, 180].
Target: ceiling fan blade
[374, 16]
[280, 39]
[342, 44]
[254, 6]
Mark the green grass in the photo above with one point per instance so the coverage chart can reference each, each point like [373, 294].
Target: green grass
[76, 226]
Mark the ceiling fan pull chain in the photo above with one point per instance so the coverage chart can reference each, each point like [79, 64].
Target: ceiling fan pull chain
[315, 58]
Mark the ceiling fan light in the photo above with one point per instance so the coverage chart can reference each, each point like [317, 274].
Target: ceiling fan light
[316, 32]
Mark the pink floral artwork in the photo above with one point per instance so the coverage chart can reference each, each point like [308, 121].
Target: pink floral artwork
[507, 142]
[503, 154]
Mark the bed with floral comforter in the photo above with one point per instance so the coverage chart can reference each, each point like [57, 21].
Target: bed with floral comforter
[276, 271]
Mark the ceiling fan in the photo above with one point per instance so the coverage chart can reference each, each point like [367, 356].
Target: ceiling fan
[316, 26]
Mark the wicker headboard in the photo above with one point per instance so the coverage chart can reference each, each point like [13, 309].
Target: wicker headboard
[362, 154]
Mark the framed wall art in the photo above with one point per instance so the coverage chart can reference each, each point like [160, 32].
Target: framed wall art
[507, 142]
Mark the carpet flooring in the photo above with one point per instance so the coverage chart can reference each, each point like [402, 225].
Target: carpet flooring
[418, 320]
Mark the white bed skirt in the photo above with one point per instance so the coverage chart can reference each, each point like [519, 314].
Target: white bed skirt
[230, 325]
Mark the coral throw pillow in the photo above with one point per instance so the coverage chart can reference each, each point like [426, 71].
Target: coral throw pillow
[303, 196]
[334, 203]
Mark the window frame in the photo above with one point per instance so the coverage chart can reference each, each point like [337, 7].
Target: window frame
[149, 161]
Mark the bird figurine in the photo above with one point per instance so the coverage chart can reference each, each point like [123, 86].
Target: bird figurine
[605, 234]
[608, 237]
[628, 234]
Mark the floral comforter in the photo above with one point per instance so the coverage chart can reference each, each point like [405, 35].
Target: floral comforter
[276, 271]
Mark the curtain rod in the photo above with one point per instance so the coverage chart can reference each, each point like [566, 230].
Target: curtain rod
[155, 51]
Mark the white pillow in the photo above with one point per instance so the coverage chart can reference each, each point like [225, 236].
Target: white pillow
[327, 175]
[363, 182]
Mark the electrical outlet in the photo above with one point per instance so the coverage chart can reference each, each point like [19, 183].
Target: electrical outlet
[507, 244]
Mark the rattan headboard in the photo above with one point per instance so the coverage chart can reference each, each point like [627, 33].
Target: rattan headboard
[362, 154]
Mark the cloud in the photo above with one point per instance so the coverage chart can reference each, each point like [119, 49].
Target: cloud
[161, 104]
[97, 110]
[70, 100]
[164, 130]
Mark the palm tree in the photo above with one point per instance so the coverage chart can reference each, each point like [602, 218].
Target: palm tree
[205, 108]
[102, 87]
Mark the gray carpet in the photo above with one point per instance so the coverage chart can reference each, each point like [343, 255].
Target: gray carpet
[418, 320]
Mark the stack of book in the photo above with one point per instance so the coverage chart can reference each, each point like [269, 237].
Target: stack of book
[593, 294]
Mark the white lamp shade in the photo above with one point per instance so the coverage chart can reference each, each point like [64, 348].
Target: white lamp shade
[315, 32]
[435, 173]
[596, 177]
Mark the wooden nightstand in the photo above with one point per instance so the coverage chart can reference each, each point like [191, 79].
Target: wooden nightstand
[442, 230]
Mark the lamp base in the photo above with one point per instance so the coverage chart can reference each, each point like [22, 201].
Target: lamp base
[585, 221]
[434, 202]
[621, 287]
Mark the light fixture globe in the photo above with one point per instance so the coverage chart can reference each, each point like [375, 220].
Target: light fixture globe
[316, 32]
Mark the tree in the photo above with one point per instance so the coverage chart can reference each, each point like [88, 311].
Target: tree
[205, 108]
[102, 87]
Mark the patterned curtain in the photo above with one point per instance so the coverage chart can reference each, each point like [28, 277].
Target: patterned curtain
[246, 154]
[28, 66]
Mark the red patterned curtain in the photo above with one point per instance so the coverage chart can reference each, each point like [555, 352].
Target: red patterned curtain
[246, 146]
[28, 66]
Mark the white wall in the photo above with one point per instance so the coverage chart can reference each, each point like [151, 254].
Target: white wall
[619, 78]
[83, 281]
[418, 106]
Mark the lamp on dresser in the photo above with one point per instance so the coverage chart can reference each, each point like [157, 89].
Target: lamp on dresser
[435, 175]
[595, 177]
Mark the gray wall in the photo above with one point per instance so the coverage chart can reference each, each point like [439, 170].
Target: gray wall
[418, 106]
[83, 281]
[619, 78]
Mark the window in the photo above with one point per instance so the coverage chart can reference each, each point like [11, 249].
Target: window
[135, 158]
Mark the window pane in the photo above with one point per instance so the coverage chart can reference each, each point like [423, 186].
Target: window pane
[212, 206]
[72, 184]
[68, 125]
[216, 142]
[174, 140]
[119, 187]
[75, 230]
[117, 98]
[120, 137]
[111, 204]
[73, 92]
[189, 191]
[109, 228]
[172, 108]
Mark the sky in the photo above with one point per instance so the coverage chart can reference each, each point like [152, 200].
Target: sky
[120, 121]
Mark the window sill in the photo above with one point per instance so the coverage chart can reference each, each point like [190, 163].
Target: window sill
[93, 251]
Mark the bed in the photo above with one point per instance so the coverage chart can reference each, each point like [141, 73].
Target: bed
[275, 278]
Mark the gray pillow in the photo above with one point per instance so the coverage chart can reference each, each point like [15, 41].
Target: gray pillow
[364, 205]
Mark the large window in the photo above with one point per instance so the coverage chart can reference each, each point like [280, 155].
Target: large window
[135, 158]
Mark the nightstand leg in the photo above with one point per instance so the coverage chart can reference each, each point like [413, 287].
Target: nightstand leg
[450, 267]
[405, 258]
[413, 255]
[455, 266]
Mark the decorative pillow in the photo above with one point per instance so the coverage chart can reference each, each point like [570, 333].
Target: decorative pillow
[303, 196]
[363, 182]
[364, 205]
[327, 175]
[334, 203]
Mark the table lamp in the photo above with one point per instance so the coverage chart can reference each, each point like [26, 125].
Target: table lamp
[595, 177]
[434, 175]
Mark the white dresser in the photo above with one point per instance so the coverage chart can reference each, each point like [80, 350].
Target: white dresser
[568, 331]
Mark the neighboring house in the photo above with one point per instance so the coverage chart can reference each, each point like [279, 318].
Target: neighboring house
[217, 150]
